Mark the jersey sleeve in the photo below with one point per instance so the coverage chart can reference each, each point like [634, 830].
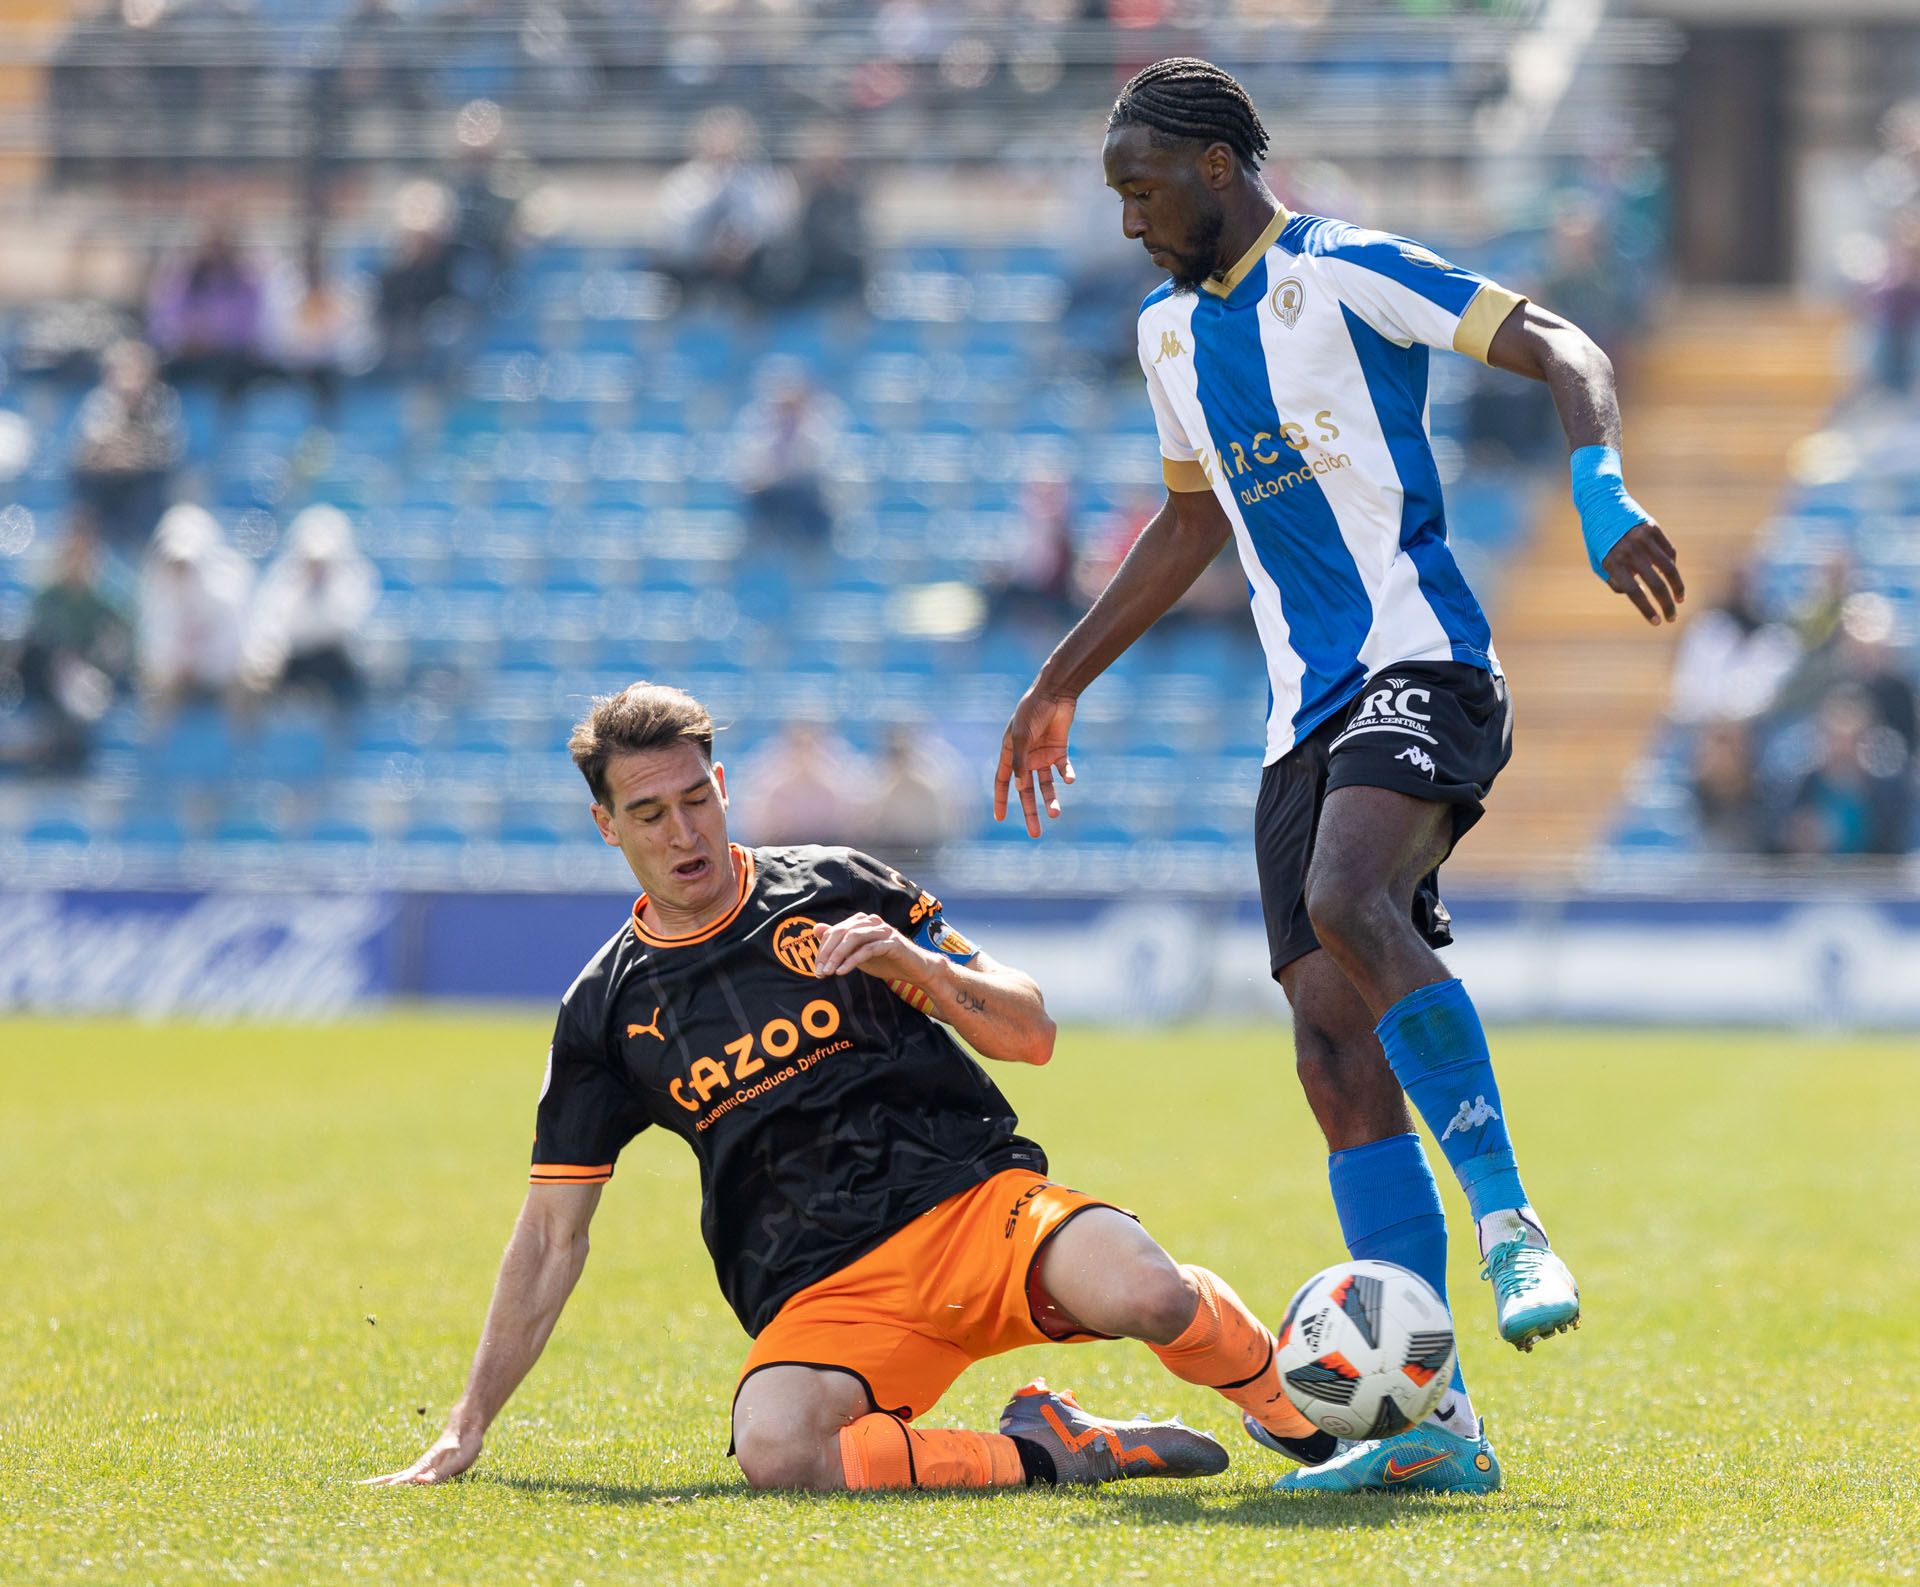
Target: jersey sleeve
[1408, 293]
[587, 1110]
[1179, 461]
[909, 909]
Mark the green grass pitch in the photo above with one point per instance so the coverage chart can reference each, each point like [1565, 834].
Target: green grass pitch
[244, 1266]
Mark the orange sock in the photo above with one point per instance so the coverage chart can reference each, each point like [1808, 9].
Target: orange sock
[881, 1451]
[1228, 1349]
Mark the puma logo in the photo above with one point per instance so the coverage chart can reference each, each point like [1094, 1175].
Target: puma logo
[652, 1029]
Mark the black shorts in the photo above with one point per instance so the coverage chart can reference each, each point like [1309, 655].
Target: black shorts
[1438, 730]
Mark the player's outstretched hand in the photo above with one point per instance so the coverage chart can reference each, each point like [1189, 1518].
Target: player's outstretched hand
[450, 1455]
[1034, 747]
[1644, 555]
[866, 942]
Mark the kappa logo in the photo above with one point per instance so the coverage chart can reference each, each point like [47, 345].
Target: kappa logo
[651, 1028]
[1286, 300]
[796, 944]
[1170, 347]
[1470, 1117]
[1420, 759]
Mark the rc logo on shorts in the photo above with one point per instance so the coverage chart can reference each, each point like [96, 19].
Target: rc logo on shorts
[1392, 709]
[1286, 300]
[796, 943]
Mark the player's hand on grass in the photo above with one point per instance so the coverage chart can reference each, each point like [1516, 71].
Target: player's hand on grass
[450, 1455]
[1644, 555]
[1034, 747]
[866, 942]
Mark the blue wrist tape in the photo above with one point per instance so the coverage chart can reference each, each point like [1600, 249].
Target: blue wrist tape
[1600, 496]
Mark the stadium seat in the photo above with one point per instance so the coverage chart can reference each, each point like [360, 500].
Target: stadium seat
[58, 829]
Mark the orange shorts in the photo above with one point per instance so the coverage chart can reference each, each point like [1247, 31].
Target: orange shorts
[953, 1287]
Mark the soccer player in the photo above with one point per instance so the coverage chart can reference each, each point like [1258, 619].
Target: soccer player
[1286, 363]
[876, 1223]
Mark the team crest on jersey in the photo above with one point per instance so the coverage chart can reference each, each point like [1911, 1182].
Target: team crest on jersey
[796, 943]
[1286, 301]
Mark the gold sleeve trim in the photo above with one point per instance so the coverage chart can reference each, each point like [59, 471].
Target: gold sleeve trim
[1188, 477]
[1485, 314]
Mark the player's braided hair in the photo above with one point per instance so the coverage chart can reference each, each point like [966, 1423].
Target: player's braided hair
[1182, 97]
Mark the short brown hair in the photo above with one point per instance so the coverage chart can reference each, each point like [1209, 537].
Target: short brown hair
[641, 716]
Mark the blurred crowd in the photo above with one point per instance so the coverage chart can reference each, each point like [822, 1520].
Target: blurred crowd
[197, 622]
[1805, 722]
[1886, 263]
[1804, 713]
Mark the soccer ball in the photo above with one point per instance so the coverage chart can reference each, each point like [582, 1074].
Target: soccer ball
[1366, 1349]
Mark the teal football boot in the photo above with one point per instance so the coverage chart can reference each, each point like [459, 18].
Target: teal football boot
[1423, 1459]
[1534, 1295]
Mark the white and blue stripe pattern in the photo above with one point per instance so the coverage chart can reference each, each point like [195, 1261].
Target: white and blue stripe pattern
[1295, 389]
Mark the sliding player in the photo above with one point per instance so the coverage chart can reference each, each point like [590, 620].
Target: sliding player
[876, 1223]
[1286, 362]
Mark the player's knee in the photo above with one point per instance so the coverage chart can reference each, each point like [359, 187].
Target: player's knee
[1351, 917]
[1161, 1301]
[786, 1457]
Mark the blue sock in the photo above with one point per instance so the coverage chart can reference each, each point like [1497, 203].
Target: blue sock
[1433, 1040]
[1390, 1210]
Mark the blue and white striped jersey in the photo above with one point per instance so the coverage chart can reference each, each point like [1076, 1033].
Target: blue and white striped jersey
[1295, 389]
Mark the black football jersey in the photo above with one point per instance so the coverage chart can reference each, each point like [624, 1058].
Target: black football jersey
[826, 1114]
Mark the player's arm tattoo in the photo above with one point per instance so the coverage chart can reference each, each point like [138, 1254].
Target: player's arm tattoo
[966, 999]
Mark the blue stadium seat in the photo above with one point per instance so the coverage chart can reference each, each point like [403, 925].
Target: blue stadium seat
[148, 826]
[294, 745]
[197, 746]
[60, 828]
[248, 826]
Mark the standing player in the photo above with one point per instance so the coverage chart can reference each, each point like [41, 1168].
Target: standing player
[1286, 362]
[876, 1223]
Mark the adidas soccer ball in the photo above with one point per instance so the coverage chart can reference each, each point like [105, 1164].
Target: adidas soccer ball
[1366, 1349]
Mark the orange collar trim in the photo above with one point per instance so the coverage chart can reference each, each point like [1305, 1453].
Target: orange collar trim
[743, 863]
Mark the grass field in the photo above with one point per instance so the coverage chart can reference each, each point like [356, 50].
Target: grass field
[245, 1266]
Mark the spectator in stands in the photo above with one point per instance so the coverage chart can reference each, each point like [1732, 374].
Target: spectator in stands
[316, 326]
[1726, 796]
[1859, 658]
[485, 213]
[1036, 585]
[787, 440]
[193, 610]
[1895, 309]
[805, 787]
[1856, 799]
[421, 317]
[1587, 281]
[725, 210]
[204, 312]
[913, 803]
[1732, 658]
[1219, 594]
[77, 653]
[1871, 664]
[826, 254]
[128, 439]
[307, 616]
